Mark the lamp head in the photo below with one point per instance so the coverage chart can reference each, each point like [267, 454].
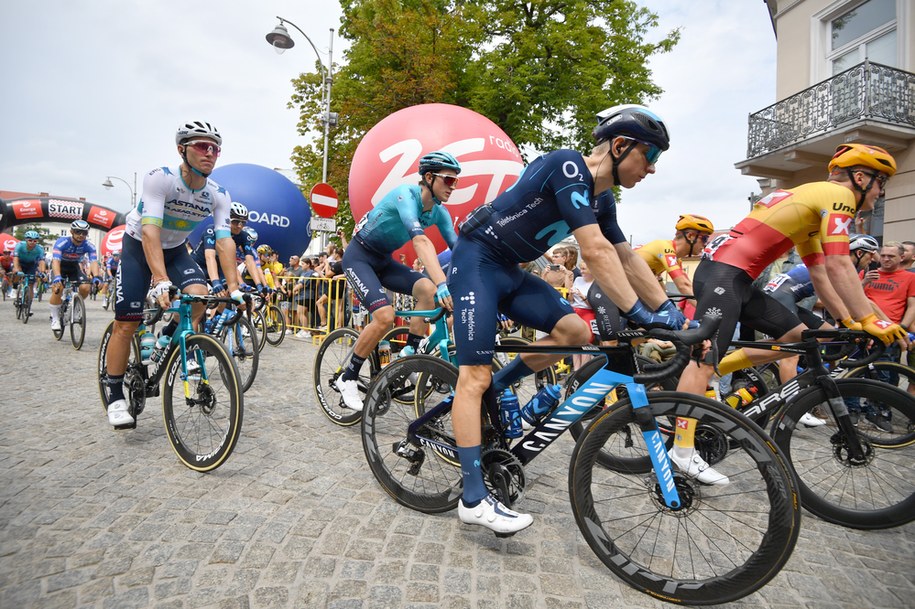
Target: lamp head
[107, 183]
[280, 39]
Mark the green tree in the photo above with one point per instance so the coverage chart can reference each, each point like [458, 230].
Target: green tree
[540, 70]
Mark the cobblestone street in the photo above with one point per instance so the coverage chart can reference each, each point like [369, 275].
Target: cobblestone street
[90, 517]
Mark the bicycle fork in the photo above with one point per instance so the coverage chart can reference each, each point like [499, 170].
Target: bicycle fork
[657, 450]
[847, 436]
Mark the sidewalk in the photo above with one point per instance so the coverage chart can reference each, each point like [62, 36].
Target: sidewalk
[94, 518]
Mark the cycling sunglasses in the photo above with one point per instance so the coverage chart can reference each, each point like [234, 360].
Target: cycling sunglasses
[80, 232]
[204, 147]
[652, 154]
[450, 181]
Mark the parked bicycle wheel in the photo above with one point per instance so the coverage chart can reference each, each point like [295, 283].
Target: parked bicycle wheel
[240, 341]
[134, 375]
[202, 421]
[723, 543]
[875, 492]
[424, 477]
[77, 321]
[333, 355]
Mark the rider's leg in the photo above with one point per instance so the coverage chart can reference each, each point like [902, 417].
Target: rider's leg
[54, 302]
[424, 293]
[382, 319]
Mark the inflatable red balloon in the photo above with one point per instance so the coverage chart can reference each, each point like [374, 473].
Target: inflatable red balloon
[8, 242]
[389, 154]
[112, 241]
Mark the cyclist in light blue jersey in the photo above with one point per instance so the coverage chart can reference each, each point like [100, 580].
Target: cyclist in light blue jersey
[401, 216]
[28, 257]
[173, 202]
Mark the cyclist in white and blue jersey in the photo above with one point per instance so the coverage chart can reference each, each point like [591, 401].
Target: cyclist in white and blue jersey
[173, 202]
[559, 194]
[28, 257]
[401, 216]
[66, 256]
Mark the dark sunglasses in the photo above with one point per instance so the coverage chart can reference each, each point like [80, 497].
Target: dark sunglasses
[450, 181]
[205, 147]
[239, 222]
[652, 154]
[881, 178]
[31, 239]
[81, 232]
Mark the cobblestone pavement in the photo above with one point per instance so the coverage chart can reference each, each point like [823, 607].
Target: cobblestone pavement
[90, 517]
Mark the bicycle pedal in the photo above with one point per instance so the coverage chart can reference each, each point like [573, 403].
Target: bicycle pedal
[504, 535]
[128, 426]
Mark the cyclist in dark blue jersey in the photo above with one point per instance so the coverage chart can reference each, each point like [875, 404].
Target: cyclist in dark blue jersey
[560, 194]
[206, 255]
[402, 215]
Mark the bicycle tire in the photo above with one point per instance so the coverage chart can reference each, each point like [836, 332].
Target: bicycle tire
[77, 322]
[134, 375]
[244, 351]
[26, 303]
[64, 310]
[203, 428]
[873, 495]
[901, 377]
[429, 480]
[276, 325]
[333, 356]
[716, 548]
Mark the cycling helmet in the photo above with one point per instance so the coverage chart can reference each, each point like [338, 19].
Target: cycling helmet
[252, 234]
[866, 243]
[852, 155]
[699, 223]
[79, 225]
[187, 131]
[30, 234]
[264, 250]
[238, 211]
[436, 161]
[633, 121]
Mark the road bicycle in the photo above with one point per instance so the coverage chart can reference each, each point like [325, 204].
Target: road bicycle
[24, 298]
[662, 533]
[202, 399]
[240, 340]
[110, 288]
[72, 314]
[269, 322]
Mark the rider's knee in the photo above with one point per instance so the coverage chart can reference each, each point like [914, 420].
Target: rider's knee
[383, 316]
[424, 289]
[572, 330]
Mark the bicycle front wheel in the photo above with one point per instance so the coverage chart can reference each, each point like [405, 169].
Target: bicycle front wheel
[259, 323]
[77, 322]
[26, 304]
[333, 356]
[203, 410]
[276, 325]
[423, 475]
[875, 491]
[722, 543]
[240, 342]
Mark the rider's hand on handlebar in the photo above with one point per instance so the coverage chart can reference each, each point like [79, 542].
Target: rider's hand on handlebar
[884, 330]
[219, 287]
[159, 293]
[443, 296]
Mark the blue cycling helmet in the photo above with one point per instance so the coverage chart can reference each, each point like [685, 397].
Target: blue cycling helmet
[436, 161]
[79, 225]
[632, 121]
[30, 234]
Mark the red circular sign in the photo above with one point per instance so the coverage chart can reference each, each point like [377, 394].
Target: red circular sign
[389, 154]
[324, 200]
[8, 242]
[112, 241]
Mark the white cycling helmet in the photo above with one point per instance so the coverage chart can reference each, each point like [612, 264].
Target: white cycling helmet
[190, 130]
[858, 241]
[238, 211]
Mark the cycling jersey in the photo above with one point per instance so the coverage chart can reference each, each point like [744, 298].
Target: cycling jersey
[661, 257]
[815, 218]
[552, 198]
[398, 218]
[168, 203]
[28, 256]
[796, 283]
[69, 253]
[6, 262]
[244, 246]
[112, 266]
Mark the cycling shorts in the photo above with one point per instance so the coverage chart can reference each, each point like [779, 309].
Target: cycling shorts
[807, 317]
[72, 273]
[28, 268]
[369, 272]
[483, 285]
[134, 276]
[725, 291]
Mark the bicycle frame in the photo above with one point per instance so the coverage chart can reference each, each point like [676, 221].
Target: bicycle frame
[440, 338]
[181, 307]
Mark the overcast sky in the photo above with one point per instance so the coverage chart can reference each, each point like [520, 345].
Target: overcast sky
[94, 88]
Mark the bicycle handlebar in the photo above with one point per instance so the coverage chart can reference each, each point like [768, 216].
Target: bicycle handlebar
[684, 341]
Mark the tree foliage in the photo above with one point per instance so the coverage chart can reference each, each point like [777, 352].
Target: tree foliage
[540, 70]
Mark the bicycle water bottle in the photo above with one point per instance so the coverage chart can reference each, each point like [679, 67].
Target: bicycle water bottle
[543, 402]
[510, 415]
[147, 344]
[384, 353]
[741, 397]
[161, 346]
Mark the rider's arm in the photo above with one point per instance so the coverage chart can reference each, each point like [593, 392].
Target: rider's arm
[842, 276]
[605, 265]
[209, 256]
[225, 251]
[641, 278]
[426, 252]
[684, 286]
[55, 267]
[93, 269]
[826, 293]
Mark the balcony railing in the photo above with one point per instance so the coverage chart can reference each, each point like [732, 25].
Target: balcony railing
[867, 91]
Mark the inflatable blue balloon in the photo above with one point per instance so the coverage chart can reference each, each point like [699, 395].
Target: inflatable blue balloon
[279, 212]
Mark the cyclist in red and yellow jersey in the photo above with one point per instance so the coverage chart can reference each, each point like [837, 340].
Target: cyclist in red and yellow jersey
[816, 218]
[663, 256]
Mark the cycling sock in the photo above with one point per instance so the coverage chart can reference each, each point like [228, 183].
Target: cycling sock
[351, 372]
[684, 439]
[510, 374]
[736, 360]
[115, 388]
[413, 340]
[55, 311]
[474, 488]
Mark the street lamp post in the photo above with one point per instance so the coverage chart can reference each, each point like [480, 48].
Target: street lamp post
[133, 191]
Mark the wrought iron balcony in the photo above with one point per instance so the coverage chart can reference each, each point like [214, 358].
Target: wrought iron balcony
[866, 92]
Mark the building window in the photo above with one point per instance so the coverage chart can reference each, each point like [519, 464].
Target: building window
[867, 31]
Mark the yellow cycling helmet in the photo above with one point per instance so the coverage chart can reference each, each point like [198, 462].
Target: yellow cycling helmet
[851, 155]
[699, 223]
[264, 250]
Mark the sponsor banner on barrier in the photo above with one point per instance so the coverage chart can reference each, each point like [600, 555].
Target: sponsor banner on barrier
[101, 216]
[28, 209]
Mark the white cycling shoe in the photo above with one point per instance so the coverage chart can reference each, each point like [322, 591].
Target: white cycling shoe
[808, 420]
[118, 414]
[55, 324]
[491, 514]
[350, 392]
[695, 466]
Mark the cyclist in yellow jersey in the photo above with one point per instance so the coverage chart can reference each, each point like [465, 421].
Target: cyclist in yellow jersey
[663, 256]
[816, 218]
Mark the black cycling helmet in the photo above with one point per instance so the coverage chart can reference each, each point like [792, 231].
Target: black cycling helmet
[637, 123]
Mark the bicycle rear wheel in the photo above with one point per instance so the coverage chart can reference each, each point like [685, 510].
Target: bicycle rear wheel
[203, 412]
[240, 342]
[422, 475]
[259, 323]
[722, 544]
[333, 356]
[26, 295]
[876, 493]
[134, 375]
[77, 322]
